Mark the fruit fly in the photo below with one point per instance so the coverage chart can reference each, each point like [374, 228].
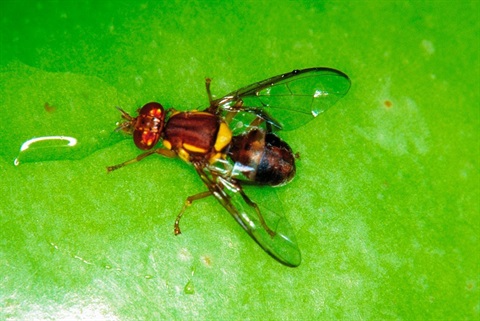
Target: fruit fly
[233, 142]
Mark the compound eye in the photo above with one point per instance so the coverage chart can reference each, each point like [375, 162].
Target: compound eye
[146, 139]
[152, 109]
[149, 126]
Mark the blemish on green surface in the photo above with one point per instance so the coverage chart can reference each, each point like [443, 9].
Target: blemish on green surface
[400, 128]
[386, 199]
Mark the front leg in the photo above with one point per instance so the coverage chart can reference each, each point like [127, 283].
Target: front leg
[188, 202]
[162, 151]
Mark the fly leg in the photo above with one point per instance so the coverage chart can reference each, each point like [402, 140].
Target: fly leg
[208, 81]
[257, 210]
[188, 202]
[217, 189]
[162, 151]
[256, 123]
[213, 107]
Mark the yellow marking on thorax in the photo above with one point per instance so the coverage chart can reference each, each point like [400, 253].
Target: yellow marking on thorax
[194, 149]
[224, 137]
[202, 113]
[167, 144]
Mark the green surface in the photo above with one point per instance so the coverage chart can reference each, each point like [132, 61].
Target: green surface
[386, 199]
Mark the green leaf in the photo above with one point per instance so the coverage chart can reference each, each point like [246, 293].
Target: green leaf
[385, 203]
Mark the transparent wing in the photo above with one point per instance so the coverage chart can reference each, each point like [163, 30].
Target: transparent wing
[270, 230]
[289, 100]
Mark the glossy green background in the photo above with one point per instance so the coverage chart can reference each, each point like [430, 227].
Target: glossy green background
[385, 203]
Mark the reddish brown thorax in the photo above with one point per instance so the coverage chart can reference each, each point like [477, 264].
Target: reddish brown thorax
[195, 131]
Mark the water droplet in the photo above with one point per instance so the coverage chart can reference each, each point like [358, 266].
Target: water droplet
[189, 288]
[59, 147]
[35, 147]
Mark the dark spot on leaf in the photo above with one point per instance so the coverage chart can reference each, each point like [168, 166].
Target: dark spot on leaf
[49, 108]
